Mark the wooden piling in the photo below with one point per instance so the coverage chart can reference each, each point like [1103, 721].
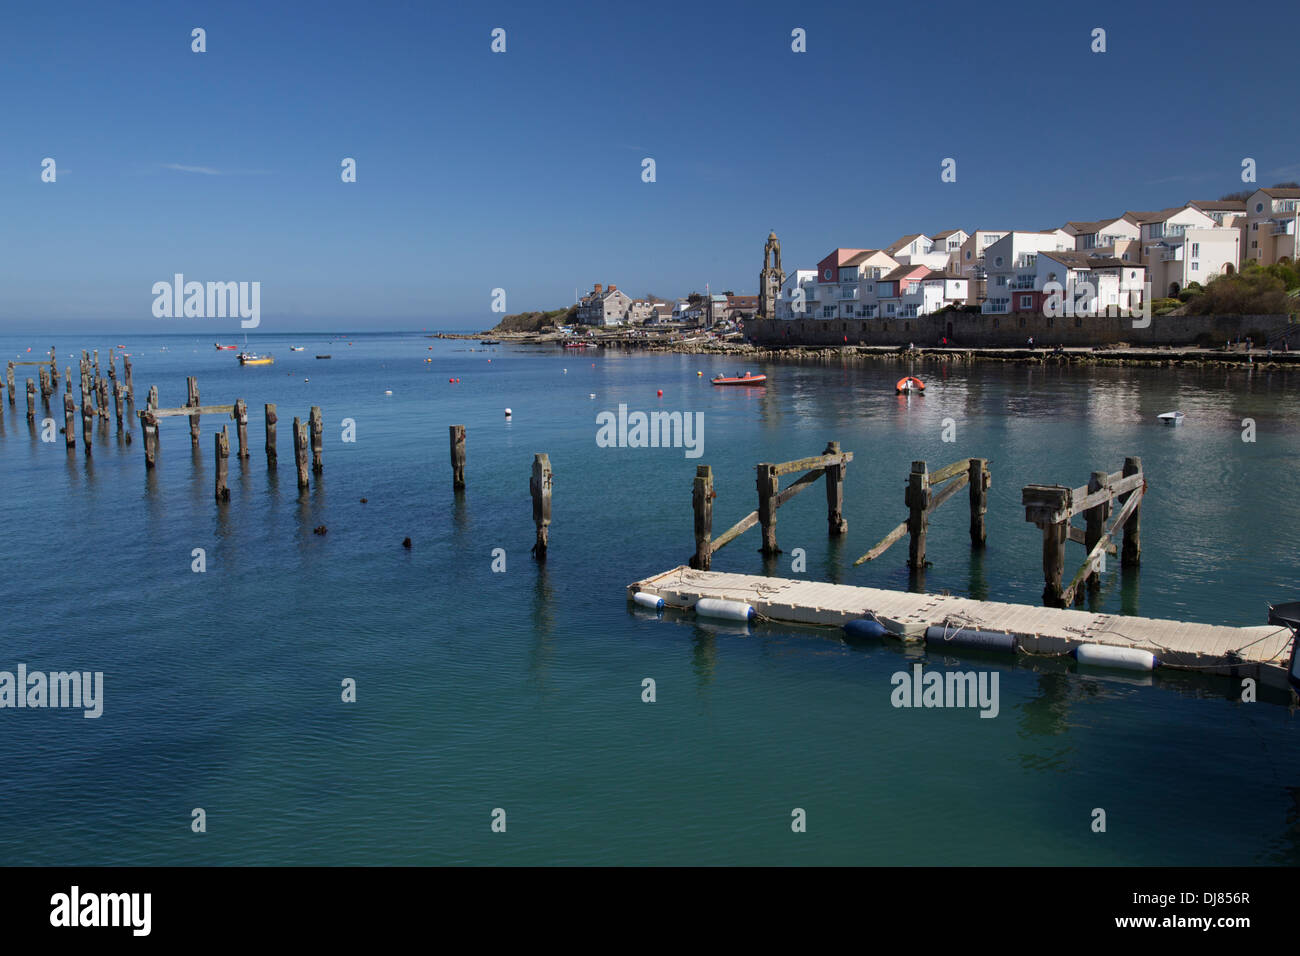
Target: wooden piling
[130, 387]
[768, 483]
[223, 464]
[702, 502]
[87, 419]
[979, 482]
[9, 381]
[192, 400]
[836, 524]
[54, 368]
[117, 404]
[300, 451]
[31, 400]
[67, 379]
[1050, 507]
[152, 400]
[1095, 522]
[271, 458]
[240, 415]
[317, 439]
[149, 428]
[540, 487]
[69, 420]
[1131, 554]
[44, 375]
[918, 514]
[457, 436]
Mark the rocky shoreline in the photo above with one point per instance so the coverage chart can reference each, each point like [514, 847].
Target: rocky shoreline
[1150, 356]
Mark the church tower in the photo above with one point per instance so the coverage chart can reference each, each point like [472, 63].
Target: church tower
[771, 279]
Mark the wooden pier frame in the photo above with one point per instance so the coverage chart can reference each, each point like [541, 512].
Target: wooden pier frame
[539, 486]
[1051, 507]
[831, 463]
[922, 501]
[457, 438]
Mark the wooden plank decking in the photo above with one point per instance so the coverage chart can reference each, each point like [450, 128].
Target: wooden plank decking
[1261, 652]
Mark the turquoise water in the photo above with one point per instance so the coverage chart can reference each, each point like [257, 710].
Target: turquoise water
[522, 690]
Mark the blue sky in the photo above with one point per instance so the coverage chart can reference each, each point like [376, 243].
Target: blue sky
[523, 170]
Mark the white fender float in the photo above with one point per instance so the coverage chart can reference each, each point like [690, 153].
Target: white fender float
[652, 601]
[1125, 658]
[726, 610]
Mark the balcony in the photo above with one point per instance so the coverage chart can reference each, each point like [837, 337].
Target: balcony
[1284, 228]
[847, 292]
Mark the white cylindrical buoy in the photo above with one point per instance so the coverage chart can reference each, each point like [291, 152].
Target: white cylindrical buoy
[649, 600]
[727, 610]
[1126, 658]
[592, 395]
[508, 413]
[388, 391]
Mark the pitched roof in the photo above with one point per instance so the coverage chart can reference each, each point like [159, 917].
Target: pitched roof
[904, 272]
[1285, 192]
[1082, 260]
[861, 257]
[946, 233]
[1220, 205]
[1158, 216]
[940, 274]
[906, 240]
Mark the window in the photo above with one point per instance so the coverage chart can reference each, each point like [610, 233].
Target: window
[870, 287]
[1196, 266]
[1196, 250]
[1259, 207]
[827, 275]
[1002, 280]
[968, 255]
[1254, 227]
[889, 309]
[1027, 302]
[998, 262]
[1254, 243]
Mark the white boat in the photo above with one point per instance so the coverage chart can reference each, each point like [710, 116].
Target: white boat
[296, 348]
[1171, 418]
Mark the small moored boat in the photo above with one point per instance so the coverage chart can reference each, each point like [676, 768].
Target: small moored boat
[251, 358]
[909, 384]
[748, 378]
[1171, 418]
[297, 348]
[322, 356]
[225, 348]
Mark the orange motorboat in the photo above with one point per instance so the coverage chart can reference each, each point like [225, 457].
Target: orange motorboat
[908, 385]
[747, 379]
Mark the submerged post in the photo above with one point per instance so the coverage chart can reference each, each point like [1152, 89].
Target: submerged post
[240, 415]
[300, 451]
[117, 404]
[979, 481]
[317, 439]
[540, 486]
[768, 483]
[457, 436]
[87, 417]
[271, 457]
[9, 380]
[223, 464]
[54, 368]
[149, 428]
[836, 525]
[69, 421]
[44, 375]
[130, 386]
[702, 502]
[31, 400]
[1131, 555]
[918, 517]
[151, 401]
[192, 400]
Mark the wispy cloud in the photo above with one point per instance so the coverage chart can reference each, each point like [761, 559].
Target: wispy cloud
[204, 170]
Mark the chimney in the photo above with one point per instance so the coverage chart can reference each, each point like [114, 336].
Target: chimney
[598, 288]
[613, 288]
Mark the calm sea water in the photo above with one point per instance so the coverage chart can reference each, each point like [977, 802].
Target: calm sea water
[522, 690]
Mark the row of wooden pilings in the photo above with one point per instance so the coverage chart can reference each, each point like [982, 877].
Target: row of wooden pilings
[95, 392]
[1049, 506]
[539, 487]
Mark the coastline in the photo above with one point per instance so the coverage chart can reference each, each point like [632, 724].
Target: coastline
[1140, 356]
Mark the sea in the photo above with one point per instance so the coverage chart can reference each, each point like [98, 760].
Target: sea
[285, 683]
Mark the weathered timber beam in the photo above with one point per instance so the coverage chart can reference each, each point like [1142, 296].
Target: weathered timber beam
[193, 410]
[1089, 563]
[884, 544]
[799, 486]
[734, 532]
[817, 461]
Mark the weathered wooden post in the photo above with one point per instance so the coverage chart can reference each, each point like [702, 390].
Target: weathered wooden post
[223, 464]
[979, 480]
[149, 428]
[54, 368]
[917, 500]
[103, 398]
[540, 486]
[768, 483]
[1095, 524]
[1049, 507]
[130, 386]
[240, 414]
[271, 457]
[117, 404]
[702, 502]
[192, 400]
[151, 401]
[457, 436]
[835, 493]
[317, 439]
[44, 374]
[69, 421]
[31, 400]
[67, 379]
[300, 451]
[9, 380]
[87, 418]
[1131, 555]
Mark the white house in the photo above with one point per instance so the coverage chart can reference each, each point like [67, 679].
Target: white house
[1011, 265]
[1272, 215]
[1092, 284]
[1195, 254]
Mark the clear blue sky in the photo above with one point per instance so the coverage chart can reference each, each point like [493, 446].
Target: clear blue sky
[523, 171]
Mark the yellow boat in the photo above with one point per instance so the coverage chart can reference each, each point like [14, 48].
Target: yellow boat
[248, 358]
